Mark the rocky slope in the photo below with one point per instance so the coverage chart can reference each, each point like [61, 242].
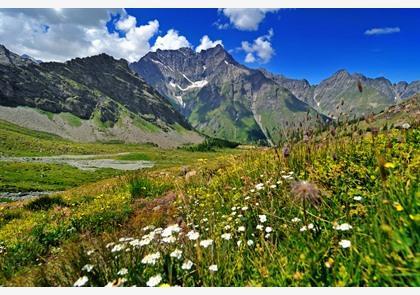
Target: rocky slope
[352, 94]
[223, 98]
[99, 93]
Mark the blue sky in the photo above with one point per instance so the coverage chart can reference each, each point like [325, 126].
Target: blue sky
[313, 43]
[299, 43]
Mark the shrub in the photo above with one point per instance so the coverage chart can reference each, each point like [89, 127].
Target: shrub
[45, 203]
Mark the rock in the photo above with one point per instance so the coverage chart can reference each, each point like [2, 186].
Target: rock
[190, 174]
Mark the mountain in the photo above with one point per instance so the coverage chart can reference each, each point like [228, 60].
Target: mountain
[87, 99]
[353, 94]
[223, 98]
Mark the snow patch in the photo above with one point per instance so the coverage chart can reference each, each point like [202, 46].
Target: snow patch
[226, 62]
[160, 63]
[179, 100]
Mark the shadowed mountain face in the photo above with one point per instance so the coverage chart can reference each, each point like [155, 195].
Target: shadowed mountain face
[221, 97]
[97, 88]
[353, 94]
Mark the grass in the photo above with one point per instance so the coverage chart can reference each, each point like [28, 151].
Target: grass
[240, 211]
[368, 182]
[71, 119]
[18, 177]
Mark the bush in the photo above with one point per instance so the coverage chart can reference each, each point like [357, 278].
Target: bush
[45, 203]
[210, 145]
[143, 187]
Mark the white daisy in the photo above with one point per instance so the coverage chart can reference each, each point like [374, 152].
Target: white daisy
[154, 281]
[263, 218]
[343, 227]
[176, 254]
[122, 272]
[345, 243]
[187, 265]
[213, 268]
[268, 229]
[193, 235]
[206, 243]
[226, 236]
[151, 258]
[87, 267]
[241, 229]
[250, 242]
[296, 220]
[357, 198]
[81, 282]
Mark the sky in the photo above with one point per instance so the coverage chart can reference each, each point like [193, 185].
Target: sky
[307, 44]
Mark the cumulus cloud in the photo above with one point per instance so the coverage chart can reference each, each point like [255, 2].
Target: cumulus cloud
[62, 34]
[382, 31]
[171, 41]
[245, 19]
[206, 43]
[260, 49]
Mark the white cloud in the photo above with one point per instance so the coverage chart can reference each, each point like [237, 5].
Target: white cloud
[62, 34]
[171, 41]
[245, 19]
[260, 50]
[206, 43]
[249, 58]
[382, 31]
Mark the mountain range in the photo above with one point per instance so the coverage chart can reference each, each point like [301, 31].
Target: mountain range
[88, 99]
[168, 95]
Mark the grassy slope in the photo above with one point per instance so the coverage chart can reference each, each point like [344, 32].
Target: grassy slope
[18, 141]
[384, 238]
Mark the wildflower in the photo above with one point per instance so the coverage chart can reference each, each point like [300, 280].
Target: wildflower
[206, 243]
[233, 208]
[88, 253]
[357, 198]
[343, 227]
[250, 243]
[174, 228]
[247, 198]
[192, 235]
[233, 213]
[169, 240]
[303, 228]
[81, 282]
[109, 245]
[267, 236]
[118, 248]
[329, 262]
[122, 272]
[151, 258]
[279, 182]
[227, 227]
[398, 207]
[226, 236]
[296, 220]
[153, 281]
[286, 151]
[406, 126]
[262, 218]
[345, 243]
[176, 254]
[204, 220]
[213, 268]
[268, 229]
[273, 186]
[260, 227]
[241, 229]
[310, 226]
[244, 208]
[87, 267]
[305, 191]
[239, 243]
[259, 186]
[149, 227]
[287, 177]
[187, 265]
[252, 190]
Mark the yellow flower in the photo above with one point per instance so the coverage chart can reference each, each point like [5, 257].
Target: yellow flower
[164, 285]
[389, 165]
[398, 207]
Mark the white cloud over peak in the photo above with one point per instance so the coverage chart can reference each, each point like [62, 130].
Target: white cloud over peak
[62, 34]
[382, 31]
[260, 50]
[245, 19]
[206, 43]
[171, 41]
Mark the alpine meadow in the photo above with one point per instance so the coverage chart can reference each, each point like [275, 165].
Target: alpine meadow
[209, 147]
